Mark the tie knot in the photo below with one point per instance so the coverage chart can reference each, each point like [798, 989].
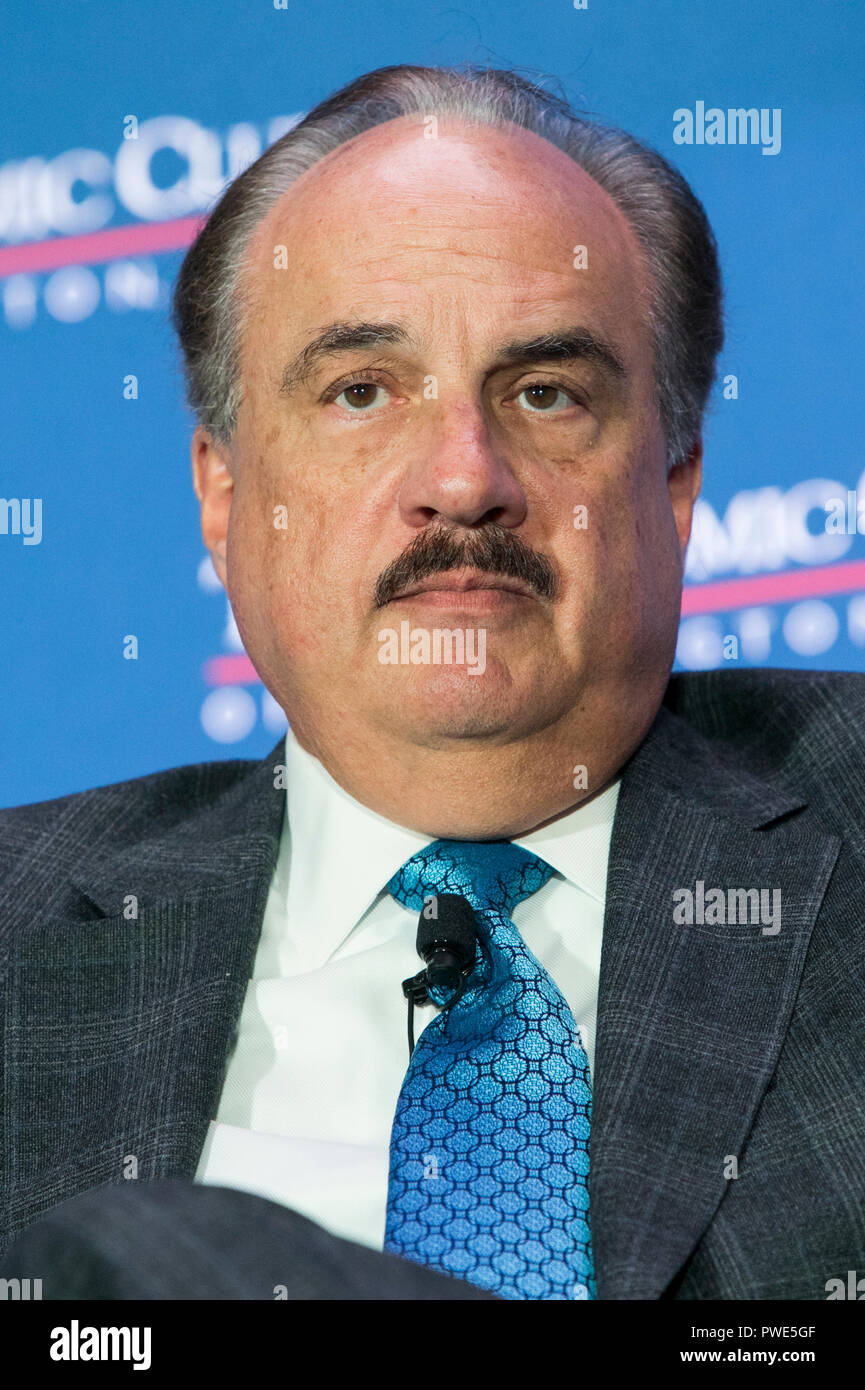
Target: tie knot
[491, 874]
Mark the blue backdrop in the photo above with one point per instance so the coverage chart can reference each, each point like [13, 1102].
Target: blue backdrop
[99, 531]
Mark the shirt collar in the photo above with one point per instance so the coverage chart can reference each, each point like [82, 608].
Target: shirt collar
[578, 844]
[337, 854]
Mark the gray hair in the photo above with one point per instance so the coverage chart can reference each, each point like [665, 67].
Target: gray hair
[667, 218]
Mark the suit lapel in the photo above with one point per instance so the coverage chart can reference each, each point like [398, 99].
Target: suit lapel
[120, 1014]
[691, 1018]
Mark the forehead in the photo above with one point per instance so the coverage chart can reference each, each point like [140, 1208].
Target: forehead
[396, 219]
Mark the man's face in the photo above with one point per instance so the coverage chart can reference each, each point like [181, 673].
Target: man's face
[450, 470]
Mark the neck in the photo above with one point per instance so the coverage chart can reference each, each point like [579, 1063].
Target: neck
[468, 789]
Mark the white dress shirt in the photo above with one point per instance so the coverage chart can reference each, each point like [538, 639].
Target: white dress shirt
[311, 1088]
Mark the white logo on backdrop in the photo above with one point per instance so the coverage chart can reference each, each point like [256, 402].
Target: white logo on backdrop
[173, 168]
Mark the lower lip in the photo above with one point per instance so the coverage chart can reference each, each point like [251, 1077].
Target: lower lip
[467, 600]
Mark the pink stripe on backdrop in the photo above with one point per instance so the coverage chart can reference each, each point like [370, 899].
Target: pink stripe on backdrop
[773, 588]
[230, 670]
[139, 239]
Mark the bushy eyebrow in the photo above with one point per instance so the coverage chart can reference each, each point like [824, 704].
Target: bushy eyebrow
[571, 345]
[337, 338]
[568, 345]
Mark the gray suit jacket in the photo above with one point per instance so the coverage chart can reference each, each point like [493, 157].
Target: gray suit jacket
[722, 1049]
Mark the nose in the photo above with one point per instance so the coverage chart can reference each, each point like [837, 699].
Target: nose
[460, 474]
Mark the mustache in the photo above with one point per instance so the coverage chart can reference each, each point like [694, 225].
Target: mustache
[493, 549]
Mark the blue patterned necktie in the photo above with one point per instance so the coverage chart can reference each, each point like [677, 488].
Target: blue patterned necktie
[489, 1152]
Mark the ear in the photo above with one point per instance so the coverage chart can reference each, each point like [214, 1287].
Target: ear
[214, 488]
[684, 481]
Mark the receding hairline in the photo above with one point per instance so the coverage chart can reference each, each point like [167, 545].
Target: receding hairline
[466, 127]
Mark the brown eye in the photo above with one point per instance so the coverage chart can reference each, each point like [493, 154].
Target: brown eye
[360, 396]
[545, 399]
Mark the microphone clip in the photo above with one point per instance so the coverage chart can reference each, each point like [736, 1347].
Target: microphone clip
[417, 989]
[448, 943]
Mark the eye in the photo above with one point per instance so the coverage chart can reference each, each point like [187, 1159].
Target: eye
[545, 399]
[361, 397]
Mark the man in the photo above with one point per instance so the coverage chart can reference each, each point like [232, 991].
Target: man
[449, 346]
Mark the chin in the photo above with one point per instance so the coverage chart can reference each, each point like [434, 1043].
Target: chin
[457, 706]
[470, 725]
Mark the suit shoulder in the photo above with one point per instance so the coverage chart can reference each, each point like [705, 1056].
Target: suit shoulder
[733, 695]
[809, 726]
[139, 807]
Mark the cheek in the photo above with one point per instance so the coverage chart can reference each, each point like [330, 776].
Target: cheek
[621, 564]
[273, 527]
[637, 519]
[288, 580]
